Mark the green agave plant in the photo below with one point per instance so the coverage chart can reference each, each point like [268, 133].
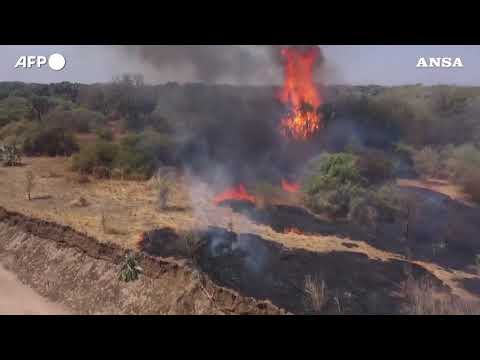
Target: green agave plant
[130, 270]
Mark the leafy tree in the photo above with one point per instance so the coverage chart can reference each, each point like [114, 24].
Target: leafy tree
[333, 181]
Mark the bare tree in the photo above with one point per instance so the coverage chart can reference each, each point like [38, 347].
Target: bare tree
[29, 183]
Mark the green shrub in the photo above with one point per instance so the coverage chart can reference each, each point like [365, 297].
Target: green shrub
[77, 120]
[136, 156]
[15, 131]
[133, 158]
[130, 269]
[332, 182]
[100, 153]
[51, 141]
[14, 108]
[104, 134]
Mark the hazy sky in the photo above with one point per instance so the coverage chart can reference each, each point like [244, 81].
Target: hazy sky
[352, 64]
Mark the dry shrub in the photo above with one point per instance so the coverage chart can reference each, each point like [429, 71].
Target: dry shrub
[427, 162]
[79, 179]
[118, 174]
[315, 293]
[53, 175]
[375, 166]
[80, 202]
[106, 228]
[101, 172]
[163, 186]
[423, 298]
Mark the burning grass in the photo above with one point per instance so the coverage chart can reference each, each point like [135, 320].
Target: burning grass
[133, 208]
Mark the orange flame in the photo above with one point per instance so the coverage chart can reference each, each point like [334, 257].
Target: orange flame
[300, 93]
[290, 187]
[293, 230]
[235, 193]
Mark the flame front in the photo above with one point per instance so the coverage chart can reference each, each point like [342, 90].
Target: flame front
[293, 230]
[290, 187]
[235, 193]
[300, 94]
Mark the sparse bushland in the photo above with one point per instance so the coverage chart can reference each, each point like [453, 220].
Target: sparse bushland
[35, 138]
[134, 157]
[14, 108]
[421, 116]
[459, 164]
[78, 120]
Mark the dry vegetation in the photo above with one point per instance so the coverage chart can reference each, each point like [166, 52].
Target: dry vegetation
[424, 299]
[121, 211]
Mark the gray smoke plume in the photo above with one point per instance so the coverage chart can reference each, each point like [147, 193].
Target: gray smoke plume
[240, 64]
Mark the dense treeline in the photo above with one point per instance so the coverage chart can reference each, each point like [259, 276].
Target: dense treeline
[403, 130]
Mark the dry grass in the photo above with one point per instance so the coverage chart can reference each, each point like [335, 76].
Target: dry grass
[441, 186]
[424, 299]
[131, 209]
[316, 294]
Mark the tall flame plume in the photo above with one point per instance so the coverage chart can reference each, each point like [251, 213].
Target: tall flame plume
[300, 94]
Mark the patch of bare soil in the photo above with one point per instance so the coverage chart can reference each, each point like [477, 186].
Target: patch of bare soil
[83, 275]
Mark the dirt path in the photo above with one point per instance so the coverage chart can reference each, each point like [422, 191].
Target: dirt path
[19, 299]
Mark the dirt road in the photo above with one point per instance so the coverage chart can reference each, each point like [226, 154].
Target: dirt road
[18, 299]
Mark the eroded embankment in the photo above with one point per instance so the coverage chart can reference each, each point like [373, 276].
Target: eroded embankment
[79, 272]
